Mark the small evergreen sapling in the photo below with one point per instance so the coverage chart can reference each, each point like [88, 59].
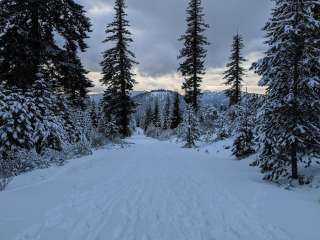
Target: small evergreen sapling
[209, 123]
[189, 130]
[223, 126]
[108, 127]
[243, 145]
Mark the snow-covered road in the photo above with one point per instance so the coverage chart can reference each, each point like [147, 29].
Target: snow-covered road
[153, 190]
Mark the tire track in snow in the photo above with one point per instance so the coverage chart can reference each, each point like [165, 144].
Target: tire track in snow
[160, 196]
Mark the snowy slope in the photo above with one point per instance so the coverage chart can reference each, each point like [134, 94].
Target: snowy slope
[147, 99]
[155, 190]
[97, 97]
[212, 98]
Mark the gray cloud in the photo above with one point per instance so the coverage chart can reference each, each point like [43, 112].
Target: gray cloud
[157, 25]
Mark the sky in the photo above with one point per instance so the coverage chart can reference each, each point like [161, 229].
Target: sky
[157, 25]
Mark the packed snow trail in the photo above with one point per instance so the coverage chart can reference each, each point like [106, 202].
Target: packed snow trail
[150, 190]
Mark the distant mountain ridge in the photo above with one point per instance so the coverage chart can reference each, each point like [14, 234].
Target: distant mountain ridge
[97, 97]
[208, 98]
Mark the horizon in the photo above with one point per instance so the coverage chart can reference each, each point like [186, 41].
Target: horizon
[180, 92]
[156, 44]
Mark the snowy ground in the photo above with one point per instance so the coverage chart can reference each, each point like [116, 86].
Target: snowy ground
[155, 190]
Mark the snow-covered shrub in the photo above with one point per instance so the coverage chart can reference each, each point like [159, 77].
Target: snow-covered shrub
[223, 129]
[189, 129]
[16, 129]
[153, 131]
[243, 145]
[6, 170]
[4, 180]
[27, 160]
[109, 128]
[82, 123]
[16, 132]
[98, 139]
[48, 117]
[209, 116]
[37, 129]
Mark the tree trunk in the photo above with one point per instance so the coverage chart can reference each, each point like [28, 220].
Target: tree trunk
[294, 162]
[36, 38]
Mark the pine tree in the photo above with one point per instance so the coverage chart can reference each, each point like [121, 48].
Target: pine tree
[243, 145]
[193, 53]
[190, 128]
[167, 114]
[27, 40]
[290, 128]
[235, 71]
[176, 118]
[117, 66]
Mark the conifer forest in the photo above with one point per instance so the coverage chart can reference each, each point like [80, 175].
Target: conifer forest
[159, 120]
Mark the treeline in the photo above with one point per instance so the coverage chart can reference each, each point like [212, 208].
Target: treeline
[165, 114]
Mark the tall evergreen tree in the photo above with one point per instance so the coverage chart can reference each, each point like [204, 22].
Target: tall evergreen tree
[235, 71]
[28, 30]
[117, 71]
[193, 53]
[176, 117]
[291, 71]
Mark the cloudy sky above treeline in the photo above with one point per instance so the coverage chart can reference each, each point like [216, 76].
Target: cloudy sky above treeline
[157, 24]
